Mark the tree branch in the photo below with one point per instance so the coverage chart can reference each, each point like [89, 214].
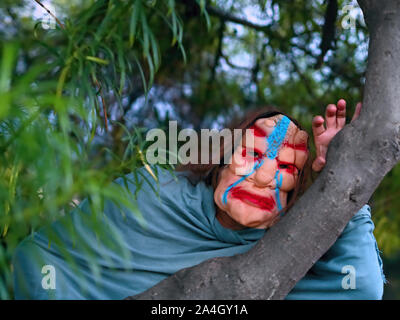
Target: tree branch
[226, 16]
[328, 31]
[234, 66]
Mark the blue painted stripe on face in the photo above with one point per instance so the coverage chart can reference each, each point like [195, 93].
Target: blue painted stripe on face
[274, 142]
[225, 195]
[276, 138]
[277, 187]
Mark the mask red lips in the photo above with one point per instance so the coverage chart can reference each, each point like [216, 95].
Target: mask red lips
[265, 203]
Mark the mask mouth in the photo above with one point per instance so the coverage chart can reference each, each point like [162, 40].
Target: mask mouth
[255, 200]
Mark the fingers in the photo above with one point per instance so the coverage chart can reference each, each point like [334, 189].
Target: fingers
[318, 164]
[318, 126]
[357, 111]
[330, 116]
[335, 115]
[341, 114]
[335, 120]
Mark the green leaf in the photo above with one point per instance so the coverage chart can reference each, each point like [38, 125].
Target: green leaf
[136, 13]
[97, 60]
[146, 35]
[6, 68]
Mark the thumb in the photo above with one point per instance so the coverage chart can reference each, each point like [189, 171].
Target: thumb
[318, 164]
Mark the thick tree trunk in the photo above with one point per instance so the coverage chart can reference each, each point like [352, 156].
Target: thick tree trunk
[358, 159]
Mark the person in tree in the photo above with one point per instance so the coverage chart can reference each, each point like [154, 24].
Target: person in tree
[202, 212]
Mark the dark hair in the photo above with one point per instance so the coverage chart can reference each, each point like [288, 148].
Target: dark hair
[209, 173]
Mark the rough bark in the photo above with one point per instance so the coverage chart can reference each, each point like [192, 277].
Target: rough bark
[358, 159]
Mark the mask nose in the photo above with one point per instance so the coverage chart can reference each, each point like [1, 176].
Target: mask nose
[265, 174]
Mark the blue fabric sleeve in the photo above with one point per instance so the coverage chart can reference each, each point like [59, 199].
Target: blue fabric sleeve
[350, 269]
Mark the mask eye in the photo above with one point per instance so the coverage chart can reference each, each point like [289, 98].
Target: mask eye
[288, 167]
[255, 154]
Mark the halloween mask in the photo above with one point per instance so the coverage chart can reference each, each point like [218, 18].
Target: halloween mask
[253, 189]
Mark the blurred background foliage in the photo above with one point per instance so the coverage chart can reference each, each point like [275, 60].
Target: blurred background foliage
[79, 84]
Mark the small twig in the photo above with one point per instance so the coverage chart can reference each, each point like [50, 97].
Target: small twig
[232, 18]
[49, 12]
[219, 50]
[103, 102]
[233, 66]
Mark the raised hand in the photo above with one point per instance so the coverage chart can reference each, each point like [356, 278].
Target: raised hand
[335, 119]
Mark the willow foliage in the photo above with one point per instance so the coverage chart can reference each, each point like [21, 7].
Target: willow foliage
[53, 111]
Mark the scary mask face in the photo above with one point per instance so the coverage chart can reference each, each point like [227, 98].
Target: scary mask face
[265, 167]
